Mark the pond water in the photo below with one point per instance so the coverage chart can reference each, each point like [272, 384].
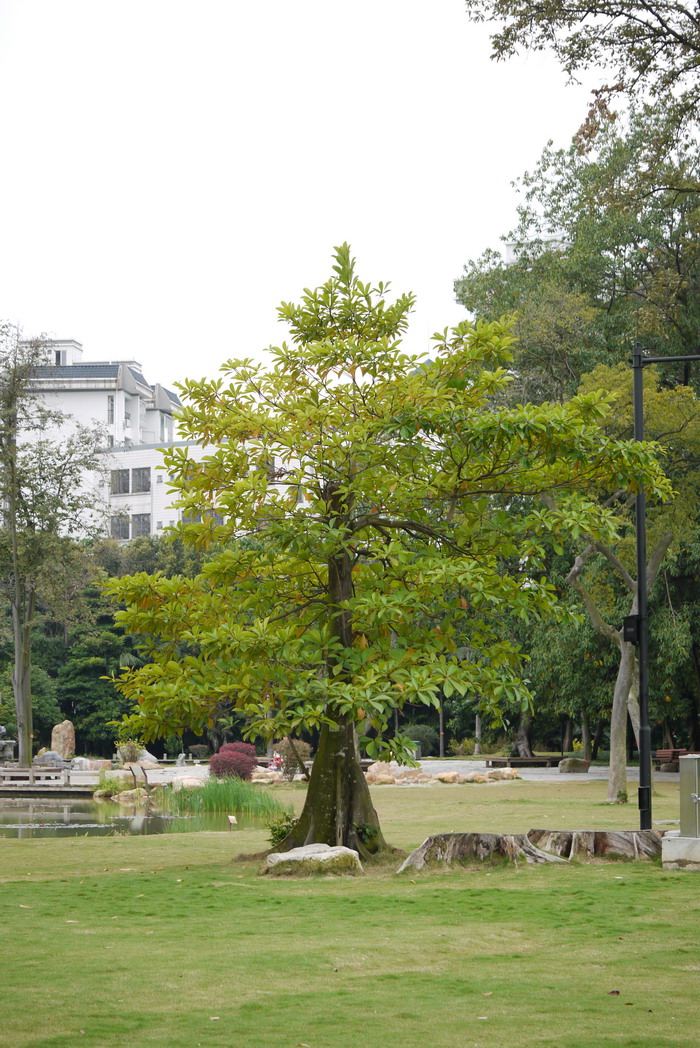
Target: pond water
[40, 817]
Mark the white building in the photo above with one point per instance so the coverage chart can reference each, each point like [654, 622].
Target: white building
[138, 420]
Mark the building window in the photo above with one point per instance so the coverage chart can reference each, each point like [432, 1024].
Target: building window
[110, 410]
[159, 525]
[159, 478]
[141, 479]
[110, 440]
[119, 527]
[119, 484]
[140, 524]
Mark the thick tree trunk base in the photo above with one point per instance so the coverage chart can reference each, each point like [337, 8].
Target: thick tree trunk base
[628, 844]
[450, 849]
[338, 808]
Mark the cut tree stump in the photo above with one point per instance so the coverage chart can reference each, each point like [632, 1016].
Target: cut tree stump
[629, 844]
[450, 848]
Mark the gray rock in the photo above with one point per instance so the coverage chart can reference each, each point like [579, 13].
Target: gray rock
[51, 759]
[316, 858]
[574, 764]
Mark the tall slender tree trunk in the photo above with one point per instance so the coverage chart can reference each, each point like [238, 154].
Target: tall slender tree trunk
[441, 721]
[617, 777]
[477, 735]
[567, 738]
[22, 684]
[586, 737]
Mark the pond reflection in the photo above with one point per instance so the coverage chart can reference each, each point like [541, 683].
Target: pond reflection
[41, 817]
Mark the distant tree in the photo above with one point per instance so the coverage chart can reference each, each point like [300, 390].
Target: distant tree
[599, 261]
[44, 507]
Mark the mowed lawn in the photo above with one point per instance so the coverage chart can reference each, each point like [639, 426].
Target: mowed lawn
[173, 941]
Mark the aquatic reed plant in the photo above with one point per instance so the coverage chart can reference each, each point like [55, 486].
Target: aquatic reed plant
[229, 795]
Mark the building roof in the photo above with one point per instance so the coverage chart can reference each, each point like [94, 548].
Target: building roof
[65, 371]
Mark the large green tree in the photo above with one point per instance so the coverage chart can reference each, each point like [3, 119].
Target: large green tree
[373, 489]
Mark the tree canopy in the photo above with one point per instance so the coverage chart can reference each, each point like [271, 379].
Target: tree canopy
[649, 45]
[361, 490]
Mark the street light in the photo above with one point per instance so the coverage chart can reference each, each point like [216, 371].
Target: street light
[638, 631]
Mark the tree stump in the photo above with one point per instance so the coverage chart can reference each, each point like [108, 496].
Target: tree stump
[453, 848]
[629, 844]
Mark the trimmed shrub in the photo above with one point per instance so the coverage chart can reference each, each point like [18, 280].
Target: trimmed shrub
[199, 751]
[290, 765]
[425, 735]
[463, 748]
[130, 750]
[235, 758]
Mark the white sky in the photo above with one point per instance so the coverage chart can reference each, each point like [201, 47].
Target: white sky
[173, 169]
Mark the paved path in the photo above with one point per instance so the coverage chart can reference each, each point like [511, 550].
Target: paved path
[434, 765]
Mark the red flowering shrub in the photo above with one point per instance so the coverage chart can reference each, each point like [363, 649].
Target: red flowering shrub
[234, 758]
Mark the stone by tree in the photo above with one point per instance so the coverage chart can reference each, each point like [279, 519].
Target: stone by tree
[362, 491]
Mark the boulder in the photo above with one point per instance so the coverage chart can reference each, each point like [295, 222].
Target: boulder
[144, 755]
[501, 774]
[315, 858]
[149, 765]
[475, 776]
[137, 796]
[187, 782]
[407, 774]
[85, 764]
[670, 766]
[63, 739]
[383, 780]
[423, 777]
[50, 759]
[574, 764]
[447, 776]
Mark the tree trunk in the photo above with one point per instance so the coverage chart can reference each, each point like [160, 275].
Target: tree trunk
[617, 778]
[597, 739]
[567, 739]
[338, 808]
[633, 700]
[668, 734]
[450, 849]
[522, 739]
[441, 722]
[586, 737]
[477, 735]
[22, 682]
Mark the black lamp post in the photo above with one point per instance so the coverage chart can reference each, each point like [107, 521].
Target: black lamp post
[636, 627]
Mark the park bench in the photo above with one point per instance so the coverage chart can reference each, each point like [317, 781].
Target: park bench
[668, 756]
[495, 761]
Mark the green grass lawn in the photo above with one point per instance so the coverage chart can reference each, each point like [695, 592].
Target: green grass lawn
[167, 941]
